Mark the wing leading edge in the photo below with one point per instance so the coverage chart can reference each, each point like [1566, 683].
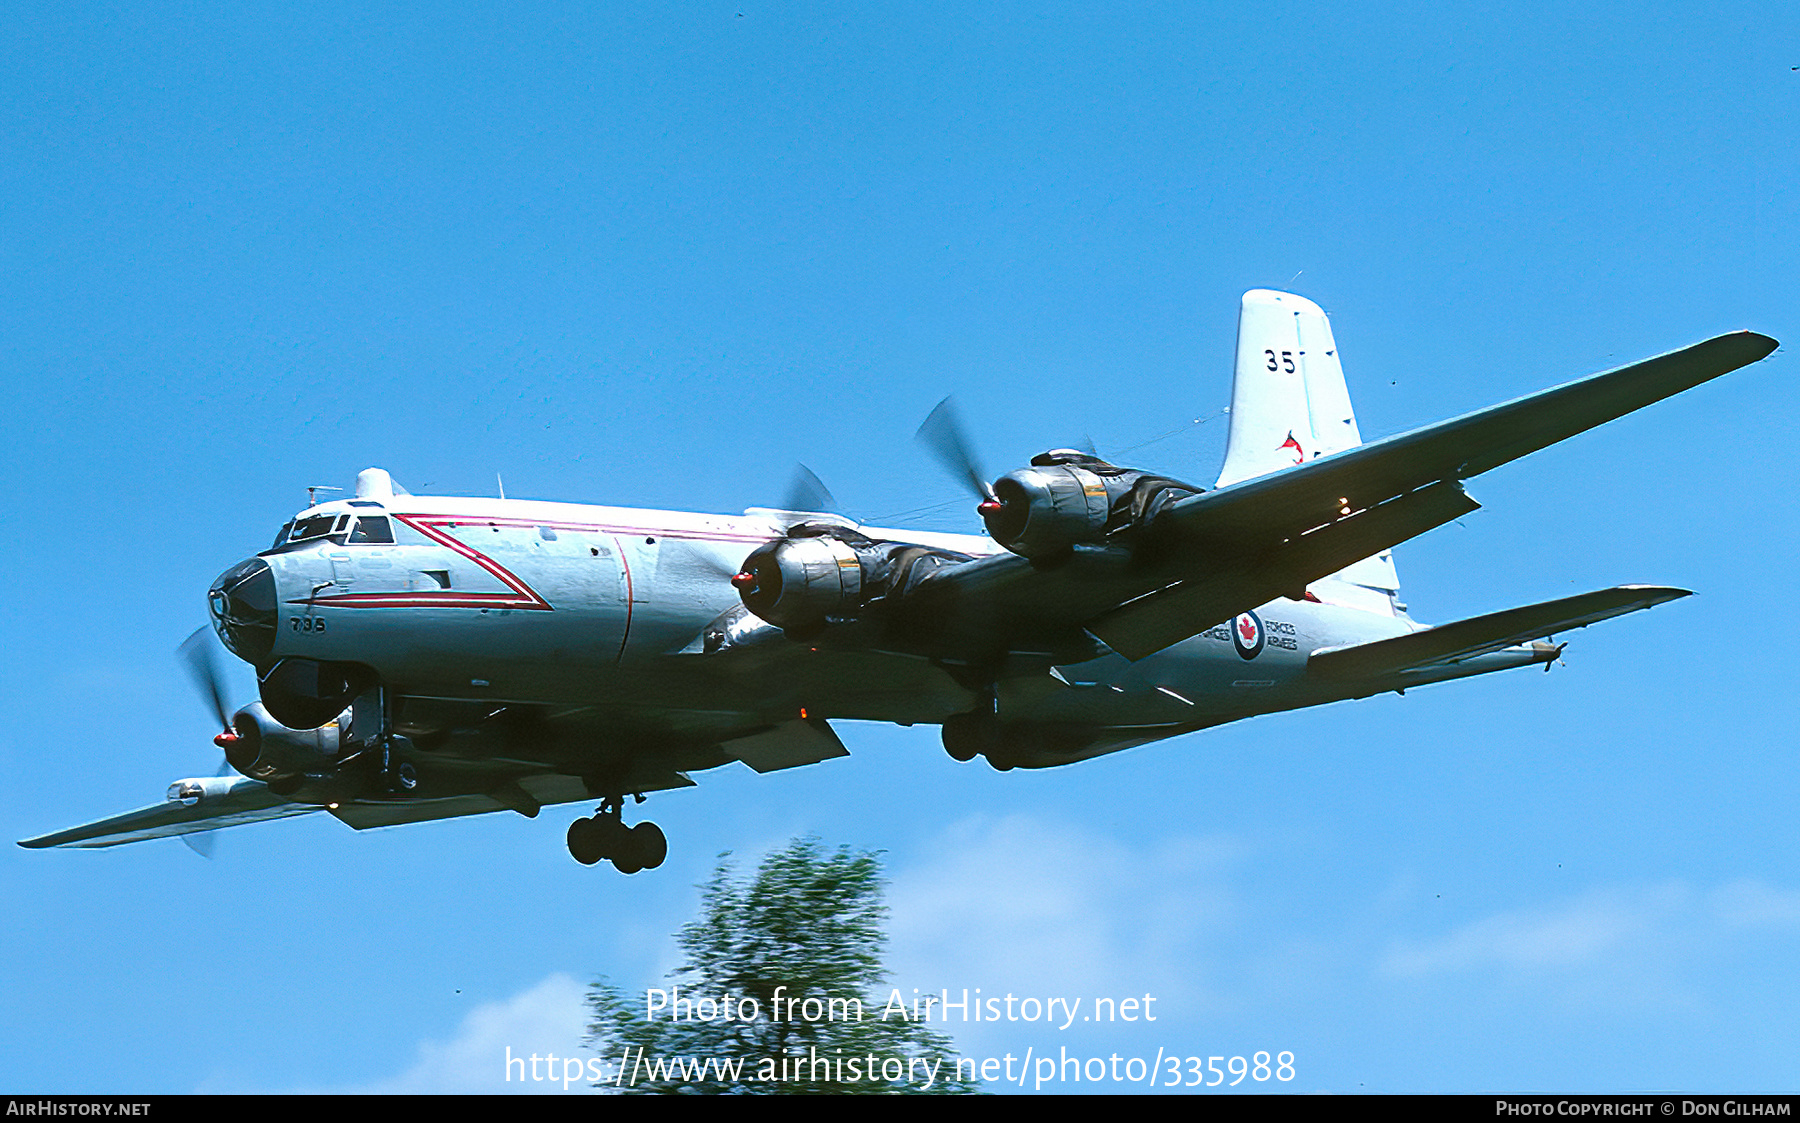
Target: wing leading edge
[192, 806]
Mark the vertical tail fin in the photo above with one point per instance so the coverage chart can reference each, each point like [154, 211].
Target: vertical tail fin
[1289, 404]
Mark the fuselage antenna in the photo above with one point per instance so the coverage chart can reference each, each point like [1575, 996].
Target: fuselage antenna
[312, 493]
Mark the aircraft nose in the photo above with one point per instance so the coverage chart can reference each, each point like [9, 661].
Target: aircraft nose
[244, 610]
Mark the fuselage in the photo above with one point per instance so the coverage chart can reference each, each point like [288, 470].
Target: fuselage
[630, 613]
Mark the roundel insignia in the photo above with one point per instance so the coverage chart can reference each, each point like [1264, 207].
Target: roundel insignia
[1247, 635]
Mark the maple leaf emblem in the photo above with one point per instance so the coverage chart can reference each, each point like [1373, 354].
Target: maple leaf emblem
[1247, 628]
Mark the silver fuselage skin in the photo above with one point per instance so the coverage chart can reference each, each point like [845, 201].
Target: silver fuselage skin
[603, 609]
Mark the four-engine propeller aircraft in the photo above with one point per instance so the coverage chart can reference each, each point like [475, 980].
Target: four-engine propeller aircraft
[423, 657]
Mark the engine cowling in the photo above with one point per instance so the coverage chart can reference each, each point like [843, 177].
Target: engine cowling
[800, 582]
[264, 749]
[821, 572]
[1068, 498]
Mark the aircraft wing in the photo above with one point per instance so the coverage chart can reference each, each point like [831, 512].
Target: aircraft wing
[1465, 639]
[210, 804]
[223, 801]
[1229, 550]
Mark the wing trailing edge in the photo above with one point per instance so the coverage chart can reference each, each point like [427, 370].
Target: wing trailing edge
[788, 745]
[1152, 622]
[1480, 635]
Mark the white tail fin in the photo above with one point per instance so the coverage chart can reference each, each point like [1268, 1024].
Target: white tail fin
[1289, 404]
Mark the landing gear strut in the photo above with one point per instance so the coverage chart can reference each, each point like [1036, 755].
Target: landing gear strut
[605, 835]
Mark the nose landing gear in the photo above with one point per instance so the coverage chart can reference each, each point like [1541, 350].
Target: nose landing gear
[605, 835]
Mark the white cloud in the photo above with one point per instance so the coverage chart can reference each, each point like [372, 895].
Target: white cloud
[1577, 933]
[548, 1019]
[1054, 910]
[1749, 903]
[1632, 945]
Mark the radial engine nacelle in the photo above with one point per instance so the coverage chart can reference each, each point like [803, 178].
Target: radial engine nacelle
[1068, 498]
[286, 759]
[820, 572]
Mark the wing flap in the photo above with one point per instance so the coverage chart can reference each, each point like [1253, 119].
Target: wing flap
[524, 795]
[1153, 622]
[788, 745]
[1479, 635]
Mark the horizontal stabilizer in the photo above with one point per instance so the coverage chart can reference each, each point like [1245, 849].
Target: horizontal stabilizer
[209, 804]
[788, 745]
[1479, 635]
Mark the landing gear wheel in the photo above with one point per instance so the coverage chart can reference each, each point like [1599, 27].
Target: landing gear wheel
[587, 841]
[615, 837]
[605, 836]
[1009, 749]
[649, 844]
[967, 736]
[642, 847]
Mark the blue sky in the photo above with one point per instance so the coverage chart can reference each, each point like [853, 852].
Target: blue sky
[653, 256]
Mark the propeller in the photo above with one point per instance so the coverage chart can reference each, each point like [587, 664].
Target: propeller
[807, 492]
[943, 434]
[197, 656]
[1556, 656]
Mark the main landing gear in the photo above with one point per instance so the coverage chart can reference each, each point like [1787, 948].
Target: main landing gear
[605, 835]
[967, 736]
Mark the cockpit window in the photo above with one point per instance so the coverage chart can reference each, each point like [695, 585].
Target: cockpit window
[372, 528]
[319, 526]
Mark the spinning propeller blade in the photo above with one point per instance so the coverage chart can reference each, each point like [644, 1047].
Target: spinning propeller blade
[807, 492]
[943, 434]
[197, 656]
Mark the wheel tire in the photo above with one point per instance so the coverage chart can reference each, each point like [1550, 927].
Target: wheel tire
[585, 841]
[967, 736]
[615, 836]
[649, 845]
